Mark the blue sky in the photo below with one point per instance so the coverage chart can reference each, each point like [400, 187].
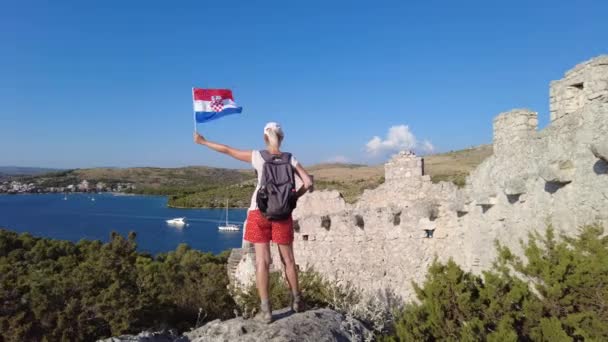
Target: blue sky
[107, 83]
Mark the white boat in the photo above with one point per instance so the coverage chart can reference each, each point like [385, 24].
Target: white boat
[178, 221]
[228, 226]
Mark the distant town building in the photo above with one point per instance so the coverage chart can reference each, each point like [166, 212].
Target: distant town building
[84, 185]
[100, 186]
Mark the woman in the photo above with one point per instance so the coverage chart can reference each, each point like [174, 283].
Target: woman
[261, 231]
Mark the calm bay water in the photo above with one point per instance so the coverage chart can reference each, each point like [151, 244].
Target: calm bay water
[79, 217]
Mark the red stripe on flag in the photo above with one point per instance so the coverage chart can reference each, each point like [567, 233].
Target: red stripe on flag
[205, 94]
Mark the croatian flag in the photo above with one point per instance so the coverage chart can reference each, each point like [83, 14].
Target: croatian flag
[211, 104]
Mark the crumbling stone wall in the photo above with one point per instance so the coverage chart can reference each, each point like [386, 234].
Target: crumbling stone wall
[556, 176]
[585, 83]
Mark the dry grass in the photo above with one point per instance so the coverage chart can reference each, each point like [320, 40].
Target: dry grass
[455, 166]
[346, 172]
[462, 161]
[452, 166]
[352, 179]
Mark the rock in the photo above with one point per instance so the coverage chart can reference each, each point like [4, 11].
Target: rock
[485, 198]
[321, 325]
[315, 326]
[515, 186]
[600, 149]
[146, 336]
[558, 172]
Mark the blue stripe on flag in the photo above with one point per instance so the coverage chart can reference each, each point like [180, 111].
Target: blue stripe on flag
[208, 116]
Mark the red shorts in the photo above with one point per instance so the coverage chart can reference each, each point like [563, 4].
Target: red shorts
[259, 229]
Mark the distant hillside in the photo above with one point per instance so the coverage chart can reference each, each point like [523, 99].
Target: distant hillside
[450, 166]
[455, 166]
[24, 171]
[199, 186]
[148, 180]
[156, 177]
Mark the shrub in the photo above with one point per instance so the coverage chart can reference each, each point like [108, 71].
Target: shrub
[57, 290]
[565, 298]
[376, 312]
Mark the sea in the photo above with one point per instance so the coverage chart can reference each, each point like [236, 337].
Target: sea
[94, 216]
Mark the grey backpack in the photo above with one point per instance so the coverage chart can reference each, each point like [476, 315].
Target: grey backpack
[276, 196]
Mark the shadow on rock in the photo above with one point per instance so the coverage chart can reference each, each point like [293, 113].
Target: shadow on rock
[600, 167]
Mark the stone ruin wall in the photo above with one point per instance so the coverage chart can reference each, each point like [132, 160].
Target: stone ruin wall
[557, 176]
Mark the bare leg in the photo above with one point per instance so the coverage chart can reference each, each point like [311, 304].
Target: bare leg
[290, 267]
[262, 263]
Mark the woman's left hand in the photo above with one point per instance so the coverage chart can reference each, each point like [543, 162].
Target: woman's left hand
[199, 139]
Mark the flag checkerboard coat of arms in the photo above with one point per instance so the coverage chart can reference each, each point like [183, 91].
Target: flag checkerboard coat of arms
[211, 104]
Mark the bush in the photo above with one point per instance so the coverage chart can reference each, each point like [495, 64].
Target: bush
[565, 298]
[376, 312]
[57, 290]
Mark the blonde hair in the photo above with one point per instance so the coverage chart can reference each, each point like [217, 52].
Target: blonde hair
[274, 135]
[274, 139]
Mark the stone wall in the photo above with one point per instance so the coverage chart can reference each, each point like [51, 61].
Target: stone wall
[584, 83]
[556, 176]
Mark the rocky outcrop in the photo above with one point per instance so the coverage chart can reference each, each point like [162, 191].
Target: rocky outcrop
[322, 325]
[311, 326]
[146, 336]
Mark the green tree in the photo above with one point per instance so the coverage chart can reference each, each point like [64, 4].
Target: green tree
[57, 290]
[564, 297]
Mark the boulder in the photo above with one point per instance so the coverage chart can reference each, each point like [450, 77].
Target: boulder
[314, 326]
[560, 172]
[514, 186]
[147, 336]
[600, 149]
[321, 325]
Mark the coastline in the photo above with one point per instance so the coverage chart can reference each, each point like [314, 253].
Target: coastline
[178, 207]
[112, 193]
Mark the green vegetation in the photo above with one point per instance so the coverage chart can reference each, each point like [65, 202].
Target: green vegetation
[352, 190]
[57, 290]
[566, 298]
[147, 180]
[459, 179]
[239, 196]
[168, 178]
[316, 292]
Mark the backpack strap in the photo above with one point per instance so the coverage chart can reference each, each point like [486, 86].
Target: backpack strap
[285, 157]
[266, 155]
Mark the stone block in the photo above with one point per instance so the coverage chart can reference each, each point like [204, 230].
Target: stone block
[560, 172]
[600, 149]
[485, 199]
[514, 186]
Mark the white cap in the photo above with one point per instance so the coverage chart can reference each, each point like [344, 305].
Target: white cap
[275, 127]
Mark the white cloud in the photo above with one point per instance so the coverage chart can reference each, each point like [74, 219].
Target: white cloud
[398, 138]
[338, 159]
[427, 147]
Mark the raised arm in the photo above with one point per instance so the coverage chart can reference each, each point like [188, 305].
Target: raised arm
[305, 179]
[242, 155]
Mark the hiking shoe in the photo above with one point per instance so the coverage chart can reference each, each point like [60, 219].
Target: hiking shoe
[297, 305]
[265, 316]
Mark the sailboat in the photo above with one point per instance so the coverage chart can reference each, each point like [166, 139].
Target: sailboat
[228, 226]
